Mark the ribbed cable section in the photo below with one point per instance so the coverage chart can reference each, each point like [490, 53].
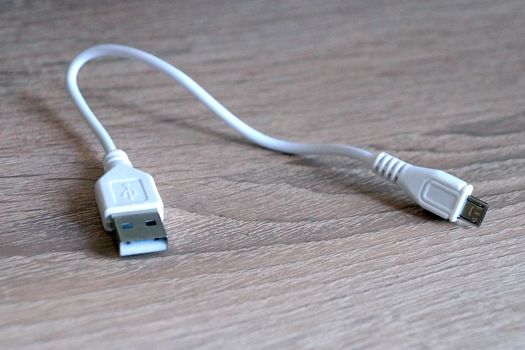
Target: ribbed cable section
[388, 166]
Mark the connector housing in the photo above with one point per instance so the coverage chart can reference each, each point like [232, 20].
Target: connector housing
[435, 190]
[124, 189]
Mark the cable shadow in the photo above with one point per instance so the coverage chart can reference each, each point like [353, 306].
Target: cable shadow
[81, 197]
[373, 186]
[176, 121]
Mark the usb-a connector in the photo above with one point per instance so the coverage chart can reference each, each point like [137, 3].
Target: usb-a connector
[130, 205]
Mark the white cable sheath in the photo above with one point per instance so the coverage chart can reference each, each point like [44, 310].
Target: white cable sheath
[129, 202]
[209, 101]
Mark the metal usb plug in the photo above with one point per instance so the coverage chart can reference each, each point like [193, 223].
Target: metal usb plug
[474, 210]
[139, 232]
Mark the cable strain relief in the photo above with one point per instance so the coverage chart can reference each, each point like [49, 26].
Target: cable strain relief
[388, 166]
[114, 158]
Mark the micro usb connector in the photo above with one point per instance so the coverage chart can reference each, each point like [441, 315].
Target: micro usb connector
[130, 205]
[435, 190]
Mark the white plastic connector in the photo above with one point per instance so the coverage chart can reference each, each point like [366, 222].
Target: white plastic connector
[129, 203]
[435, 190]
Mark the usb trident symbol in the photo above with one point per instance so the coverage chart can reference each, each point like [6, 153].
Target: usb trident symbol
[128, 192]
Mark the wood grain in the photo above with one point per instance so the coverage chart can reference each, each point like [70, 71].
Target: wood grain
[267, 251]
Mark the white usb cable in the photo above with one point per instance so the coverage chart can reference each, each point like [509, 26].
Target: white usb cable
[129, 202]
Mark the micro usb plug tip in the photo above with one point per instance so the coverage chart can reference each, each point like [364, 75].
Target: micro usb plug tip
[139, 232]
[474, 210]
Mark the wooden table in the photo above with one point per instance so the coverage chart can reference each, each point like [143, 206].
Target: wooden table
[267, 251]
